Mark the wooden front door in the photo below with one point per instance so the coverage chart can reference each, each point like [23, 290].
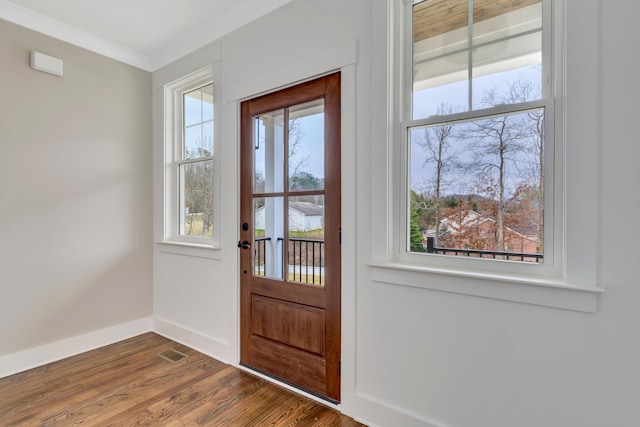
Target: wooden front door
[290, 236]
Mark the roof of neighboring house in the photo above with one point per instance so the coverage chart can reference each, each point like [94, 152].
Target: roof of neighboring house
[307, 208]
[469, 218]
[473, 219]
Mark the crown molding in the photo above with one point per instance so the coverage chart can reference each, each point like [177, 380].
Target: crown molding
[67, 33]
[214, 28]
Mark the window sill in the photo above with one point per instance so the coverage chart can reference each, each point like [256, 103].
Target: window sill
[544, 292]
[189, 249]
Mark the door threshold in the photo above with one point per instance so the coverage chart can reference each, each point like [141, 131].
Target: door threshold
[290, 386]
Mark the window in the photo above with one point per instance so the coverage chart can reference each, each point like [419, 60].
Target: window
[190, 162]
[567, 275]
[477, 133]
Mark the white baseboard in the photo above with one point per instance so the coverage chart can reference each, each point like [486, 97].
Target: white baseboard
[205, 344]
[27, 359]
[385, 414]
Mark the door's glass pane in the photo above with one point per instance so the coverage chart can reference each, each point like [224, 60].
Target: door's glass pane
[269, 152]
[196, 199]
[306, 240]
[268, 244]
[306, 146]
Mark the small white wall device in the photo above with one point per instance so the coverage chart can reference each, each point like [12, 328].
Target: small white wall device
[46, 63]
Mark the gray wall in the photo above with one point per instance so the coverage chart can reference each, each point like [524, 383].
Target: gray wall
[75, 193]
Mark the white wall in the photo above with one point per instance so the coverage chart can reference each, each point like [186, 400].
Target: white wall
[455, 360]
[75, 195]
[414, 356]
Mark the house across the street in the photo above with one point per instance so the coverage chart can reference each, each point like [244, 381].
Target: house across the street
[469, 229]
[303, 216]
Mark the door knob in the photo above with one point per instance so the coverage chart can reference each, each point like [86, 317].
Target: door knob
[244, 244]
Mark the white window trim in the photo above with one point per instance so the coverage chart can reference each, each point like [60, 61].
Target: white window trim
[571, 282]
[172, 241]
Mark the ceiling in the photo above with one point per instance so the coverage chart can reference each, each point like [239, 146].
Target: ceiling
[147, 34]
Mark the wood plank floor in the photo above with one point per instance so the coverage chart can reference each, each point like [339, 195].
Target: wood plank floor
[127, 384]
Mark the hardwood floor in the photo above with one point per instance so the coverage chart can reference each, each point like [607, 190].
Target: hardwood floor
[128, 383]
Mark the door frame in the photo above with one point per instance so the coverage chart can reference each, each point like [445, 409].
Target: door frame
[342, 57]
[330, 294]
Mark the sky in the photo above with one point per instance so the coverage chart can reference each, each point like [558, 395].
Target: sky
[427, 103]
[309, 152]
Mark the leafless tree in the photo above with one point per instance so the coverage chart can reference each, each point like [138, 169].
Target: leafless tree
[296, 162]
[198, 192]
[498, 144]
[440, 155]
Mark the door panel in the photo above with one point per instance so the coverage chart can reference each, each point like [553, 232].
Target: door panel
[290, 216]
[295, 367]
[295, 325]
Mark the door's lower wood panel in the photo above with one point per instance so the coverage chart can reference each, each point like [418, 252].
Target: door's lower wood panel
[293, 366]
[292, 324]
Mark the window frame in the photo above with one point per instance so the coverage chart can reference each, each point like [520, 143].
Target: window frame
[174, 158]
[552, 73]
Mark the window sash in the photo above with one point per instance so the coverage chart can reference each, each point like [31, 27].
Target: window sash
[183, 159]
[550, 237]
[407, 56]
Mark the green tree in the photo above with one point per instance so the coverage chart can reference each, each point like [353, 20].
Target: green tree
[304, 181]
[416, 241]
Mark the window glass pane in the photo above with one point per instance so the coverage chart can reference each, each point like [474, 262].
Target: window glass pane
[207, 138]
[192, 107]
[507, 54]
[196, 199]
[507, 87]
[497, 20]
[269, 152]
[306, 240]
[198, 122]
[440, 55]
[194, 146]
[207, 102]
[451, 90]
[268, 246]
[306, 146]
[477, 187]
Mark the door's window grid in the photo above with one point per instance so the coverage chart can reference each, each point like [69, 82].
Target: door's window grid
[289, 247]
